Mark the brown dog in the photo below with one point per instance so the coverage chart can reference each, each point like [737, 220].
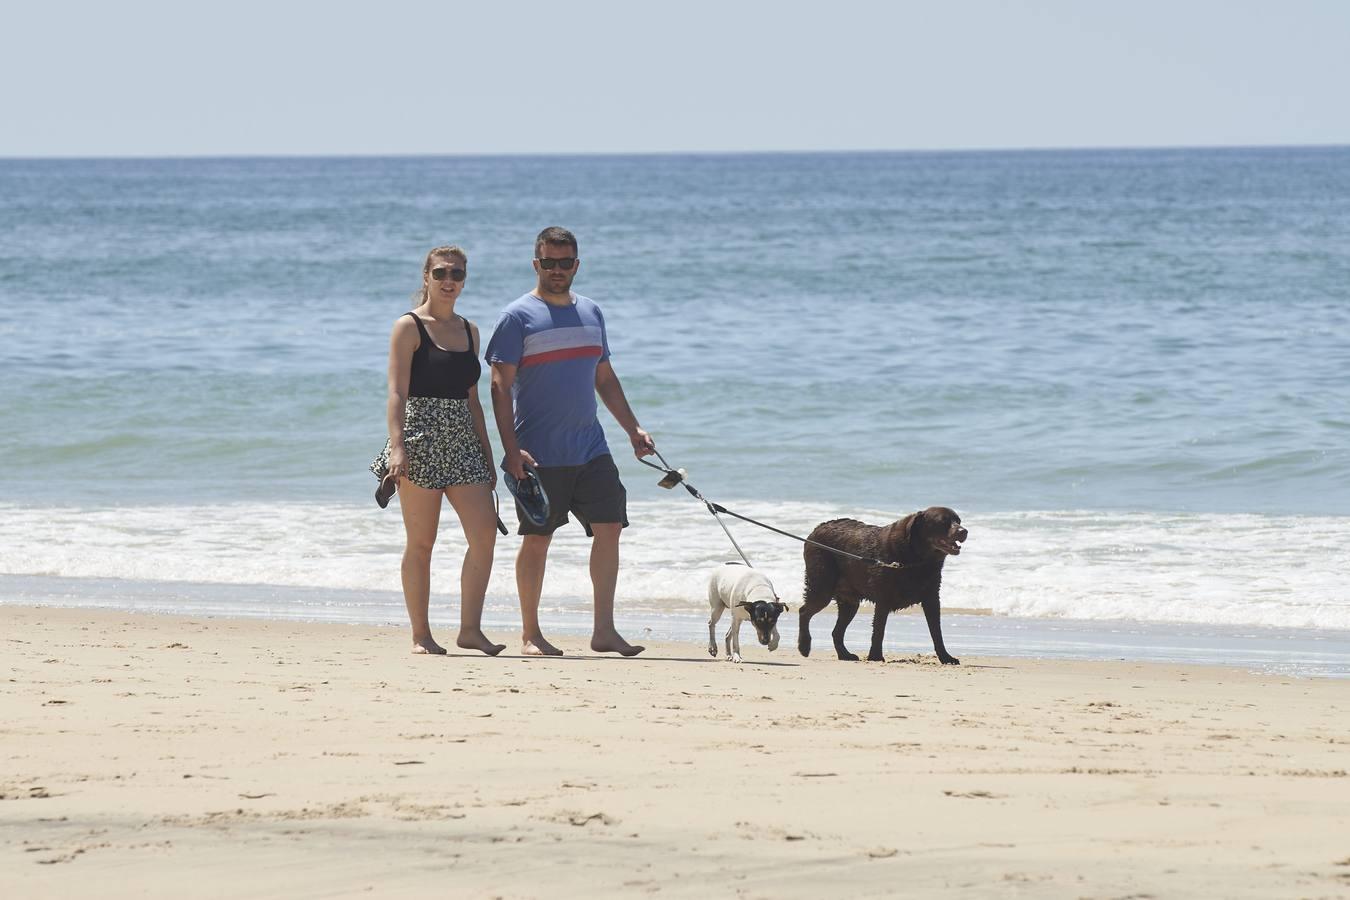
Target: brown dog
[920, 543]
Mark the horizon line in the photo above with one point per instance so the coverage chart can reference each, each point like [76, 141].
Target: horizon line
[669, 153]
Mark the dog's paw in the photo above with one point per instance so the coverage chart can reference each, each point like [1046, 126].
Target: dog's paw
[804, 645]
[735, 657]
[875, 657]
[848, 657]
[712, 649]
[949, 660]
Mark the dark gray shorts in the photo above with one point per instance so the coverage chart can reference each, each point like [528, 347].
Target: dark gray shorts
[592, 492]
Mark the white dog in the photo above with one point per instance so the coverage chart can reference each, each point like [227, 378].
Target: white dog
[749, 595]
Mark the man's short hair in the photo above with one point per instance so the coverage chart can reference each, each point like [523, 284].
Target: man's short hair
[558, 237]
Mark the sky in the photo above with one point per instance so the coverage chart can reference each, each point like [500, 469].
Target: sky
[188, 78]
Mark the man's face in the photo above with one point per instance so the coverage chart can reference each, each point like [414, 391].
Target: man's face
[556, 266]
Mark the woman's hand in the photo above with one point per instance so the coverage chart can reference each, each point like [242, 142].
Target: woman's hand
[398, 462]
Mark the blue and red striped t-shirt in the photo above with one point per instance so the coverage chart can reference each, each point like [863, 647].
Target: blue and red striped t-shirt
[556, 350]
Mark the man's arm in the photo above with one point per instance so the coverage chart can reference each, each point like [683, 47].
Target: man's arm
[611, 392]
[504, 411]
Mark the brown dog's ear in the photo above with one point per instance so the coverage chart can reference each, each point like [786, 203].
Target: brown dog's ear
[783, 607]
[895, 536]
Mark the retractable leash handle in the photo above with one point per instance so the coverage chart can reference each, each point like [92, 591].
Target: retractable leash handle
[673, 476]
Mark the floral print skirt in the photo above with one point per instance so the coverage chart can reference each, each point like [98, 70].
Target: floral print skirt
[442, 447]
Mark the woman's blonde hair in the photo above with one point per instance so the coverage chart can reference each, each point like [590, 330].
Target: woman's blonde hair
[450, 251]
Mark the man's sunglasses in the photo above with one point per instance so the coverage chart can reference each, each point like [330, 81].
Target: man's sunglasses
[566, 263]
[440, 272]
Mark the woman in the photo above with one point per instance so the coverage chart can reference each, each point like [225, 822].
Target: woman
[438, 447]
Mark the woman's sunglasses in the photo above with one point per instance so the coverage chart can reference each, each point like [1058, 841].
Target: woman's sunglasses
[440, 272]
[566, 263]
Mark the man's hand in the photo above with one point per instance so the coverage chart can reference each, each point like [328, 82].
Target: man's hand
[514, 462]
[643, 445]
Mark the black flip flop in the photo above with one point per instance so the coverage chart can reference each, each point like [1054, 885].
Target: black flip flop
[529, 494]
[388, 485]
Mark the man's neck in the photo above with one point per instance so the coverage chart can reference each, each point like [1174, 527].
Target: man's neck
[554, 299]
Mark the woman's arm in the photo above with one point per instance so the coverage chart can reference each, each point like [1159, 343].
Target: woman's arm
[403, 342]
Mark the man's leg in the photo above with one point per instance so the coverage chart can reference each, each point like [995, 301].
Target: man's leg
[604, 579]
[530, 563]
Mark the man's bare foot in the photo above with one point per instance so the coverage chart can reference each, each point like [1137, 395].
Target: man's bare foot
[537, 646]
[427, 645]
[613, 643]
[476, 640]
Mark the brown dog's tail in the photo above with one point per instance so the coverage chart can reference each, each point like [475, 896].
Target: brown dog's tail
[822, 573]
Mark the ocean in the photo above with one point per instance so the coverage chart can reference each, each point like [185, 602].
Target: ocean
[1125, 369]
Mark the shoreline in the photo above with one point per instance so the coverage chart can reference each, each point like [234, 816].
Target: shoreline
[1286, 651]
[150, 754]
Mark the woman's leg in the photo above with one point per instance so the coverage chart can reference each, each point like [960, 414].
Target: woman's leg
[421, 515]
[473, 504]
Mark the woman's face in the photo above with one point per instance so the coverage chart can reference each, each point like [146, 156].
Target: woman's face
[445, 279]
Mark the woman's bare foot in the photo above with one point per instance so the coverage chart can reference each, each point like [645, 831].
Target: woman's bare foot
[537, 646]
[476, 640]
[612, 642]
[427, 645]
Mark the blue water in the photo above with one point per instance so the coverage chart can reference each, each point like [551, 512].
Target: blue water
[1148, 345]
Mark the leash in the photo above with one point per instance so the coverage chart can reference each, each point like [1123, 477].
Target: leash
[675, 476]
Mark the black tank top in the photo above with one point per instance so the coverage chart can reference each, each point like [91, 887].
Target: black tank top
[442, 373]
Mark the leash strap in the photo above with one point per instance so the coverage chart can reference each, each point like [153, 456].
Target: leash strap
[729, 537]
[716, 508]
[876, 562]
[677, 477]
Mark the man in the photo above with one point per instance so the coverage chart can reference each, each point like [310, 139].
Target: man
[550, 358]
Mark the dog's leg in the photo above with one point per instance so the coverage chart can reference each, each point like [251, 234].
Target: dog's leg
[847, 610]
[817, 592]
[809, 608]
[734, 639]
[932, 611]
[878, 632]
[717, 607]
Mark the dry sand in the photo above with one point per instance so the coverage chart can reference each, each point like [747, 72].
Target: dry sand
[163, 756]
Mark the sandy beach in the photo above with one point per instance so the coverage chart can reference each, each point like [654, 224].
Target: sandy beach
[164, 756]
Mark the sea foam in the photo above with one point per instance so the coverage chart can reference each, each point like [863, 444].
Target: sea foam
[1278, 571]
